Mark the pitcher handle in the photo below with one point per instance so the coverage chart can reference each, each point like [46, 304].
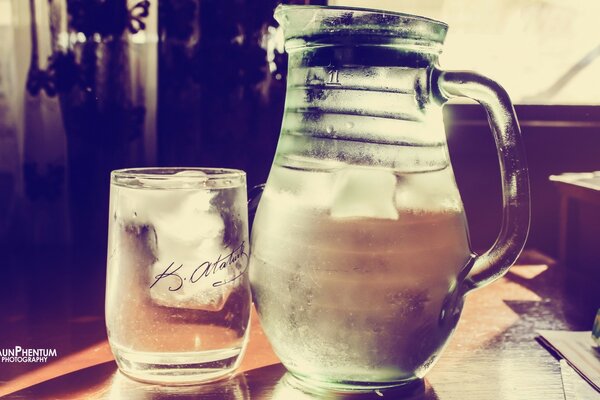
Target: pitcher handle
[494, 263]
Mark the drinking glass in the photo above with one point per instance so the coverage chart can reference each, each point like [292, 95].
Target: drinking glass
[177, 293]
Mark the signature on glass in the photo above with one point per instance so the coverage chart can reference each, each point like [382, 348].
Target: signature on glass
[206, 269]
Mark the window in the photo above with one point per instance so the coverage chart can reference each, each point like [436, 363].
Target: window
[541, 51]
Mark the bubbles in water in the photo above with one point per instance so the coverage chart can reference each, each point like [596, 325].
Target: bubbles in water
[185, 179]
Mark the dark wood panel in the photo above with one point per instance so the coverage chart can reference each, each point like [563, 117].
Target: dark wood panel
[557, 139]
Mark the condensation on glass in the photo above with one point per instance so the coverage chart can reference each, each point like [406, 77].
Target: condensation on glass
[177, 292]
[360, 253]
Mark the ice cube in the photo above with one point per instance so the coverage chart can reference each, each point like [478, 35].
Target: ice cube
[185, 179]
[301, 187]
[188, 224]
[426, 192]
[364, 192]
[141, 206]
[190, 254]
[187, 234]
[191, 173]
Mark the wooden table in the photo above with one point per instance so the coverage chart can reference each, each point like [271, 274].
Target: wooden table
[579, 211]
[492, 355]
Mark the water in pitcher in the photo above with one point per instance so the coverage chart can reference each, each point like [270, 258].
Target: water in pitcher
[360, 253]
[177, 293]
[353, 268]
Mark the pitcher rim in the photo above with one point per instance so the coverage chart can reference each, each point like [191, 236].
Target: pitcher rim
[282, 7]
[331, 24]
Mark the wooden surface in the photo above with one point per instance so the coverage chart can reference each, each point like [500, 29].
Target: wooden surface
[576, 190]
[492, 355]
[579, 230]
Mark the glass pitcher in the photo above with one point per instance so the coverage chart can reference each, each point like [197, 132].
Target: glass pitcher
[360, 251]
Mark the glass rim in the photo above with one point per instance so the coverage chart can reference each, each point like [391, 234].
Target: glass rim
[162, 174]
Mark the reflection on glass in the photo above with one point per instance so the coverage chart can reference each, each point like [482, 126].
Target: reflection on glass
[122, 387]
[290, 388]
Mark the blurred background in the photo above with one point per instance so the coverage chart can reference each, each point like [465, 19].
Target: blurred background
[88, 86]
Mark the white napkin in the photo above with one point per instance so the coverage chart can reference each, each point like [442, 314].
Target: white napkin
[577, 349]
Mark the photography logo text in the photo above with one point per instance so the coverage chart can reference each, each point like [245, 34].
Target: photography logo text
[19, 354]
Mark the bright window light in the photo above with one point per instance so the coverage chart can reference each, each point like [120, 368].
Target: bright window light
[5, 13]
[541, 51]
